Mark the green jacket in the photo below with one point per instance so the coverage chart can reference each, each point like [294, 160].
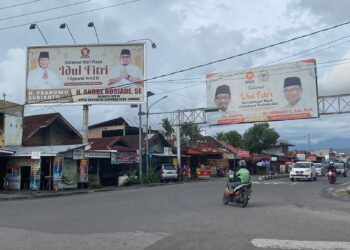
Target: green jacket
[243, 175]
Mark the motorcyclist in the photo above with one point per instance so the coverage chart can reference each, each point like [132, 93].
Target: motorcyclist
[241, 176]
[331, 167]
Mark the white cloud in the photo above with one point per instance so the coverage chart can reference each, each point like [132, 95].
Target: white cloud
[12, 75]
[336, 81]
[187, 33]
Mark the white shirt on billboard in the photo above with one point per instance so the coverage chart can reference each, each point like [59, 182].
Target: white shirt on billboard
[38, 79]
[132, 70]
[299, 104]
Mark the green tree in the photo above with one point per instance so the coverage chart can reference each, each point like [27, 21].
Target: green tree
[259, 137]
[232, 137]
[190, 133]
[168, 129]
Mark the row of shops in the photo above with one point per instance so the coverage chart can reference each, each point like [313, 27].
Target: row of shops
[50, 154]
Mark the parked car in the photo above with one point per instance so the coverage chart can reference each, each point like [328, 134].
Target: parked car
[167, 172]
[320, 170]
[303, 170]
[341, 168]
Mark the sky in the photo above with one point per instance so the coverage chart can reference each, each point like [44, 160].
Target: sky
[187, 33]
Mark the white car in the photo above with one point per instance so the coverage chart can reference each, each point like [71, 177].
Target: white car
[303, 170]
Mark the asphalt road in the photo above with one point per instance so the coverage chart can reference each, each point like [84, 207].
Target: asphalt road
[281, 214]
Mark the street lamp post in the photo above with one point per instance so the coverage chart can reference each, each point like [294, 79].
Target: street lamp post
[147, 114]
[63, 26]
[91, 24]
[33, 26]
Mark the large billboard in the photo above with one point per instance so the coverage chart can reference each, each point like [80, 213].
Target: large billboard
[86, 74]
[272, 93]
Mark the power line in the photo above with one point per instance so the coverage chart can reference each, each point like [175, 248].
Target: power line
[45, 10]
[306, 50]
[19, 4]
[170, 91]
[273, 62]
[69, 15]
[230, 57]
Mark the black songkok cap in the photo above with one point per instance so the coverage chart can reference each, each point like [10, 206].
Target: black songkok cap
[44, 54]
[223, 89]
[291, 81]
[125, 52]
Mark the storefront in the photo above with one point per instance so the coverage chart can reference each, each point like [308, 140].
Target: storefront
[44, 167]
[106, 167]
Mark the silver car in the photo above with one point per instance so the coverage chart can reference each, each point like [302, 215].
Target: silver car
[167, 172]
[320, 170]
[341, 168]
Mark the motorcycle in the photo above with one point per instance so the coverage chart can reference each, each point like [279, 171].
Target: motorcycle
[332, 177]
[239, 194]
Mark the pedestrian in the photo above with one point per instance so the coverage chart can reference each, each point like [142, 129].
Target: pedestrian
[188, 173]
[184, 173]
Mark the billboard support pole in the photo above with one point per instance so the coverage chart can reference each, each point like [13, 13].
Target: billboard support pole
[85, 123]
[140, 143]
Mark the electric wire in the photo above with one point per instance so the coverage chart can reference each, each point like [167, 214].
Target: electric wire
[69, 15]
[19, 4]
[45, 10]
[237, 55]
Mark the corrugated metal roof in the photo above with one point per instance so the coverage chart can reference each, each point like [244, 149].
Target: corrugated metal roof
[7, 152]
[44, 150]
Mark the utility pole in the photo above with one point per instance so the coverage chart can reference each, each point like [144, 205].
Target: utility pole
[85, 123]
[309, 142]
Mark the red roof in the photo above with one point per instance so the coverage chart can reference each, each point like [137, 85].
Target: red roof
[32, 124]
[119, 143]
[238, 151]
[104, 143]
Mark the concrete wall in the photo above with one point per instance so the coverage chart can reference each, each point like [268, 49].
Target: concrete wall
[13, 130]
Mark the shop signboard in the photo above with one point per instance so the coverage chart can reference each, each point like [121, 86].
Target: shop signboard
[123, 157]
[35, 175]
[272, 93]
[86, 74]
[78, 154]
[91, 154]
[57, 168]
[84, 168]
[36, 155]
[114, 158]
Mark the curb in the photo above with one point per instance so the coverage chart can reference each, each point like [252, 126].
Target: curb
[271, 177]
[37, 195]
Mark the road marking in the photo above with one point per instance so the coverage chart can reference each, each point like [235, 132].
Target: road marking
[300, 244]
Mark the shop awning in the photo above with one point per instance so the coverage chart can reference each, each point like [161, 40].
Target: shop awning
[20, 151]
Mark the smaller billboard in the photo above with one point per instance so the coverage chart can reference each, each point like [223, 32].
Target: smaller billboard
[272, 93]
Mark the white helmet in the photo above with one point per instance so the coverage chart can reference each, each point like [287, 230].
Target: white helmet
[242, 163]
